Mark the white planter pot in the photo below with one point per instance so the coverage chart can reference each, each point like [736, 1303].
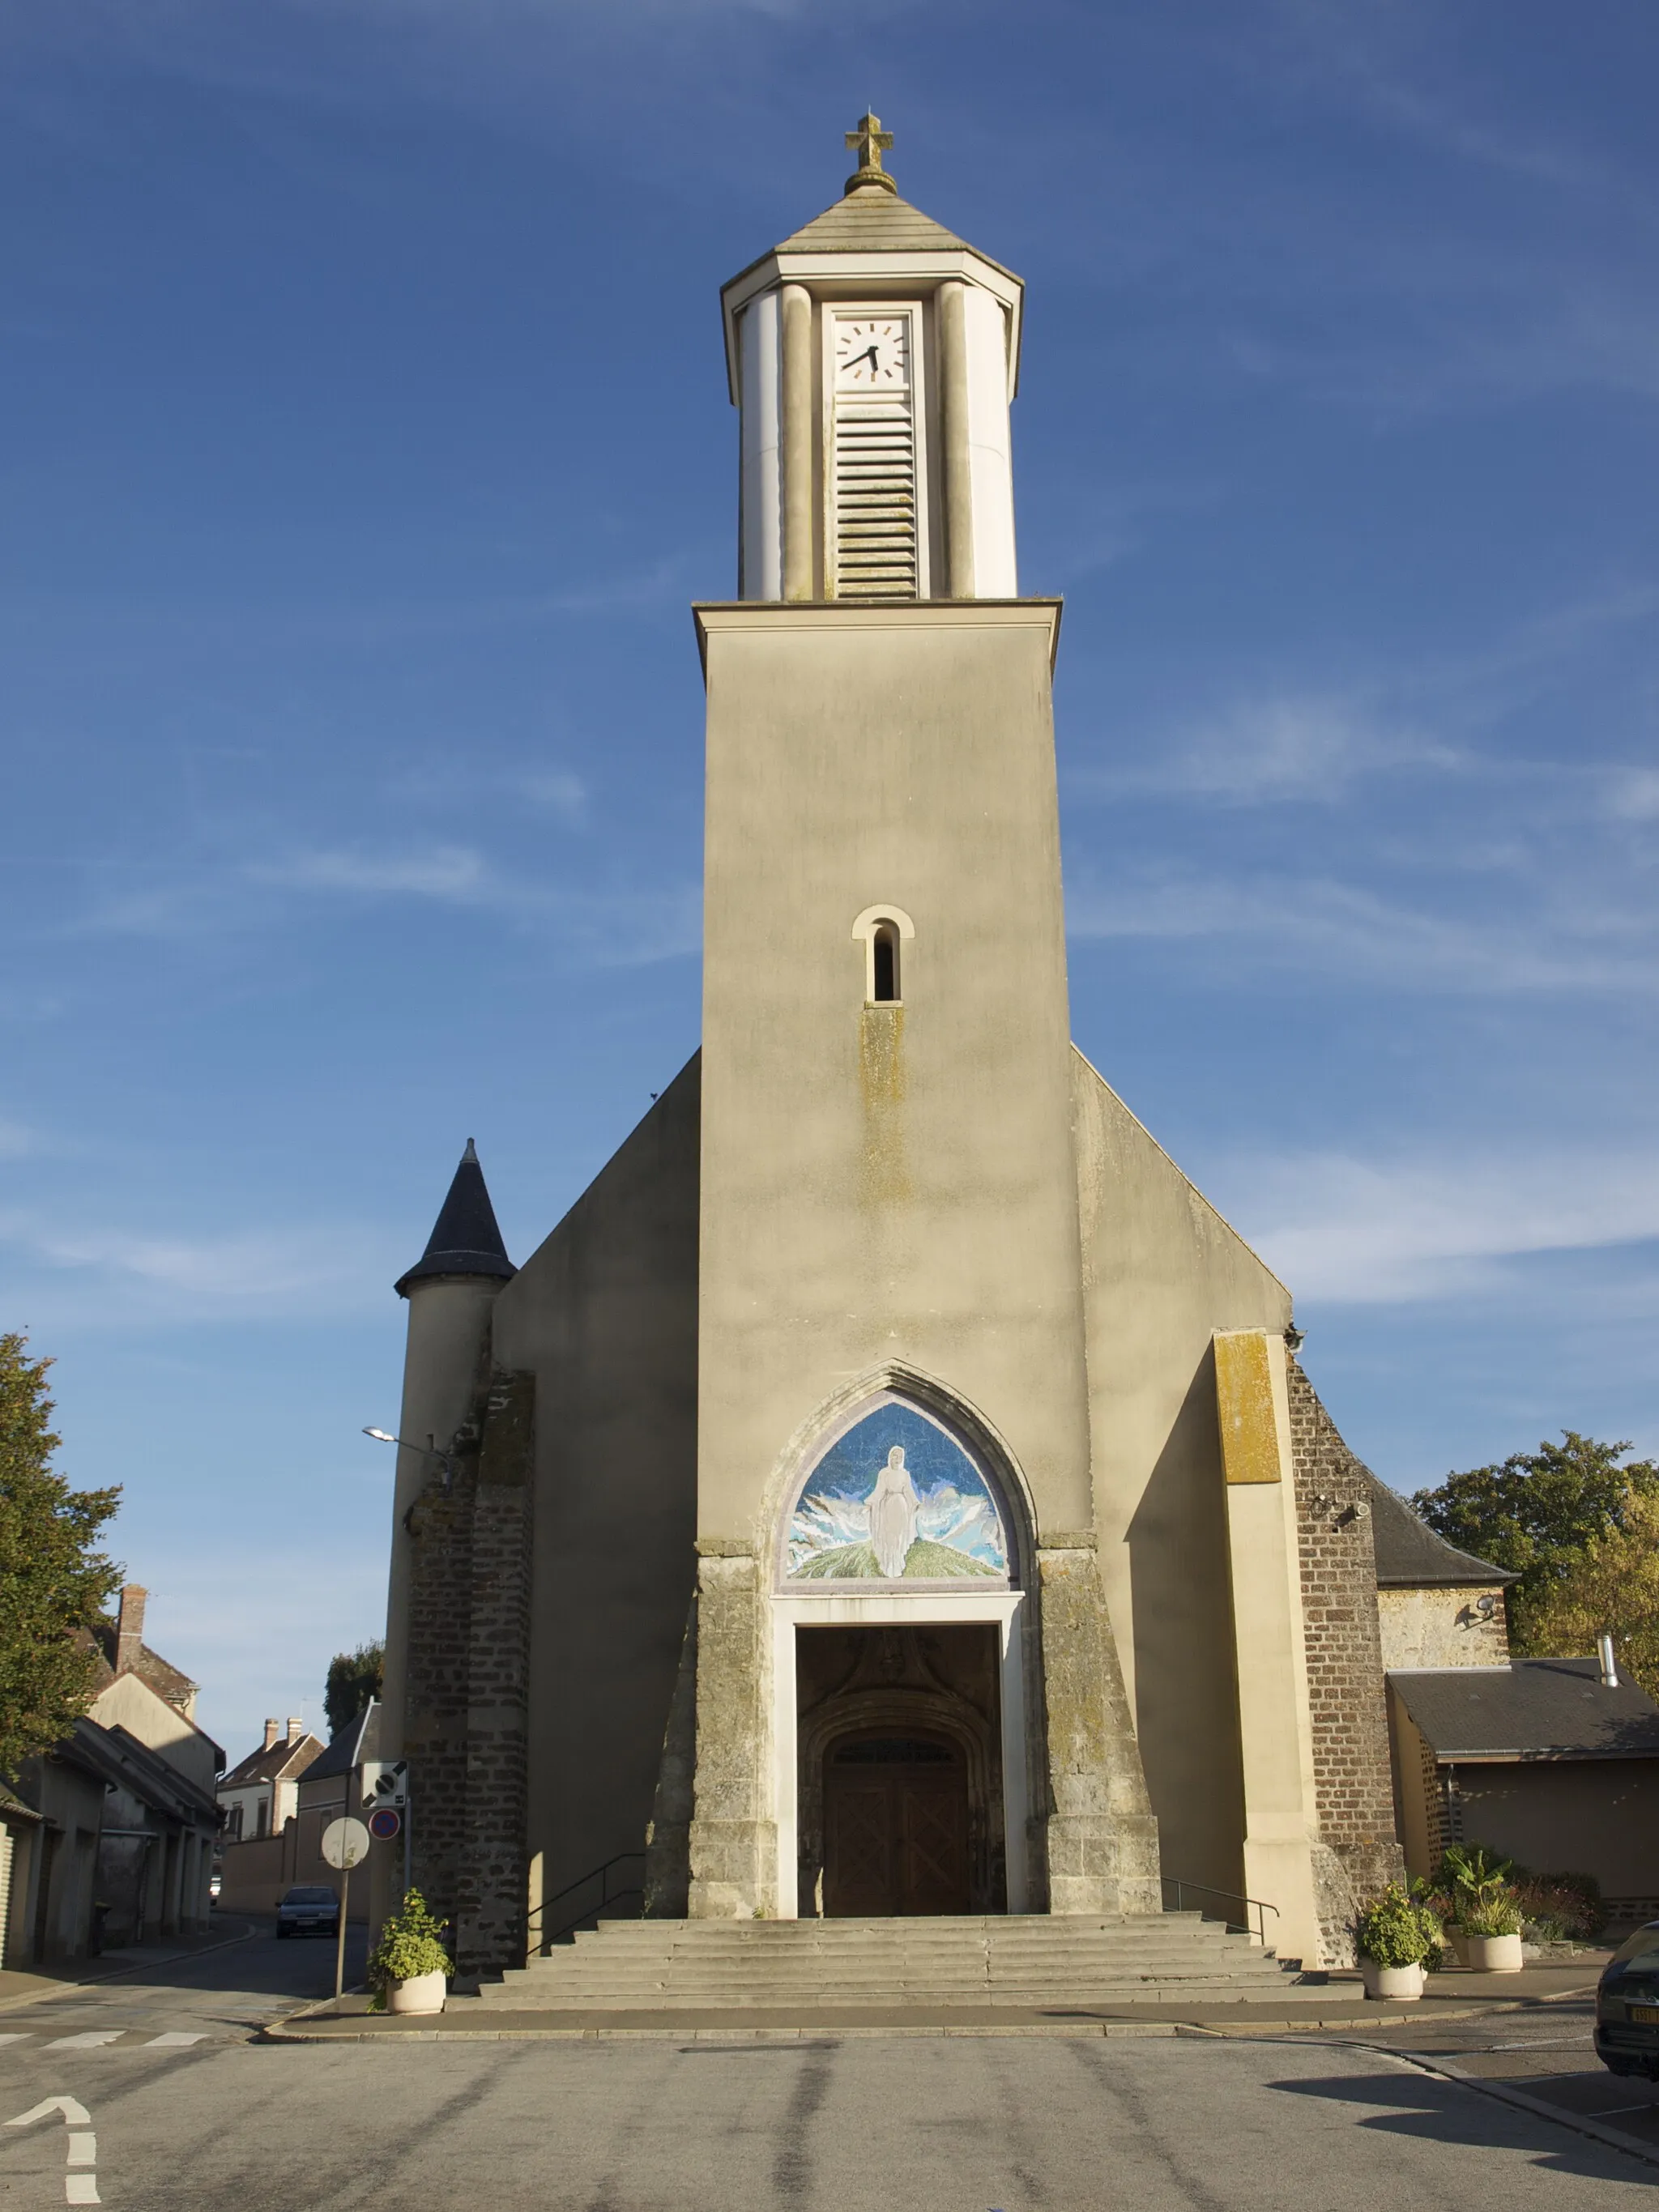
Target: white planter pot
[1491, 1954]
[425, 1993]
[1398, 1985]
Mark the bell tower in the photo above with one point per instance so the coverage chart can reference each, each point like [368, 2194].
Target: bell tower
[888, 1184]
[873, 357]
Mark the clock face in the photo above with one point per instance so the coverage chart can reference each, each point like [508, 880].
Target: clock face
[873, 353]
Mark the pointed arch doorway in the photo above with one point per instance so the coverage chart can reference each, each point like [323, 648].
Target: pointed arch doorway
[898, 1670]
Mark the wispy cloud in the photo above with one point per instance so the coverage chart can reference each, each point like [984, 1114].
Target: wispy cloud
[1261, 751]
[116, 1274]
[1585, 942]
[450, 872]
[1356, 1231]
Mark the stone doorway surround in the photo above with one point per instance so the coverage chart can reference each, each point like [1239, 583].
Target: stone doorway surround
[1003, 1609]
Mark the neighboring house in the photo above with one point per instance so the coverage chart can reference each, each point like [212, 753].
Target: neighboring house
[1542, 1759]
[262, 1794]
[120, 1845]
[1436, 1606]
[256, 1869]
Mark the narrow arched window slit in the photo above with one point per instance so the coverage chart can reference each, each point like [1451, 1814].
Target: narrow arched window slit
[884, 965]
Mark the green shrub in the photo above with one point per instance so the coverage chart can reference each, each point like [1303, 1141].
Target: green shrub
[1393, 1931]
[1561, 1908]
[412, 1944]
[1482, 1894]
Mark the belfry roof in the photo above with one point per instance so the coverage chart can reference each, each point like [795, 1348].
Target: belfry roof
[871, 220]
[466, 1239]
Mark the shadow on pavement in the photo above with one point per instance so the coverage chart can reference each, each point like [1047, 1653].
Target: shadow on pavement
[1446, 2112]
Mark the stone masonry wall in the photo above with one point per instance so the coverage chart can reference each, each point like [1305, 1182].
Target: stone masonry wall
[434, 1725]
[1353, 1779]
[464, 1724]
[491, 1891]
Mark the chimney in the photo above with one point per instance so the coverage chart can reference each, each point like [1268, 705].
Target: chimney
[296, 1728]
[1604, 1653]
[129, 1628]
[271, 1734]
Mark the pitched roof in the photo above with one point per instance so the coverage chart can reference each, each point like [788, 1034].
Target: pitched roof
[1529, 1709]
[169, 1684]
[1410, 1556]
[282, 1762]
[466, 1239]
[356, 1742]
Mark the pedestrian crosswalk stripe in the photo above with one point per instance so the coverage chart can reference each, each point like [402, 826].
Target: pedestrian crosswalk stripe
[172, 2040]
[89, 2041]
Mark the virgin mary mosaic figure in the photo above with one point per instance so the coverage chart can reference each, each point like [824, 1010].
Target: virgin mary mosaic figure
[896, 1498]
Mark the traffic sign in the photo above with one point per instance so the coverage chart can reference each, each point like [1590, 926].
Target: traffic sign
[385, 1781]
[384, 1822]
[345, 1843]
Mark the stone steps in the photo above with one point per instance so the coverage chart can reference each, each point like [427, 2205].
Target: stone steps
[1032, 1961]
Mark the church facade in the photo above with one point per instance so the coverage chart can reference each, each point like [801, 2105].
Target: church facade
[891, 1488]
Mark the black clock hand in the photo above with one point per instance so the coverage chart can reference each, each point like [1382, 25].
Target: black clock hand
[869, 355]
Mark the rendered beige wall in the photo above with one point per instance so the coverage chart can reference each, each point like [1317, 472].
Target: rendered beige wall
[1443, 1627]
[896, 1185]
[130, 1703]
[1598, 1816]
[1162, 1273]
[604, 1314]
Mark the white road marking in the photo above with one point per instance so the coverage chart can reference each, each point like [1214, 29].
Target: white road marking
[174, 2039]
[89, 2041]
[21, 2035]
[78, 2188]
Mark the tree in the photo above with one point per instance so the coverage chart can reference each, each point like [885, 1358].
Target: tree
[52, 1582]
[1539, 1514]
[353, 1677]
[1614, 1585]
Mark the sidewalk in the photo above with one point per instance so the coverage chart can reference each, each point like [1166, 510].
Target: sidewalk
[1453, 1995]
[19, 1987]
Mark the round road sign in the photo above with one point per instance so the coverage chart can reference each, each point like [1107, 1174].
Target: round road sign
[384, 1823]
[345, 1843]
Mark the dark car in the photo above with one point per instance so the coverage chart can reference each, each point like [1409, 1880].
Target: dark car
[1627, 2007]
[303, 1910]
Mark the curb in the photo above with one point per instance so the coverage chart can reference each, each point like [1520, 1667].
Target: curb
[120, 1973]
[293, 2029]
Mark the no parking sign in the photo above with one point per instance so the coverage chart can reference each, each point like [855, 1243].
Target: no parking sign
[384, 1823]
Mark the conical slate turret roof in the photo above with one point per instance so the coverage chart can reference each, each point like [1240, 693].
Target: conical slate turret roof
[465, 1240]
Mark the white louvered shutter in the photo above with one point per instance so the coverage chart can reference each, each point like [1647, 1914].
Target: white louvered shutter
[874, 490]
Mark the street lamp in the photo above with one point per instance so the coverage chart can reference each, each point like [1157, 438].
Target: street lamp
[429, 1448]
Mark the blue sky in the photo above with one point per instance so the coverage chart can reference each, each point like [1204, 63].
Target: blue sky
[366, 438]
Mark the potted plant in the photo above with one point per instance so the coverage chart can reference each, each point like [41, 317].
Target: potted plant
[408, 1966]
[1488, 1915]
[1394, 1937]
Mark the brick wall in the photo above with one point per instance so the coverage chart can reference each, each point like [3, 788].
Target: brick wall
[1347, 1700]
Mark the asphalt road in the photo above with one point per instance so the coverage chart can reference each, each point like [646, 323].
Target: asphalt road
[213, 2117]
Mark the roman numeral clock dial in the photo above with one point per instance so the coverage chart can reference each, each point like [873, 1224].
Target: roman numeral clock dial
[873, 356]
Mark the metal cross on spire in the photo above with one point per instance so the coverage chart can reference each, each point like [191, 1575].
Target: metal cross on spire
[872, 142]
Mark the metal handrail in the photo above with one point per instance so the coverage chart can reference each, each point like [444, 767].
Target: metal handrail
[1252, 1905]
[607, 1896]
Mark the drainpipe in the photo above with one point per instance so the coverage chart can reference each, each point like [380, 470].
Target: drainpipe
[1604, 1653]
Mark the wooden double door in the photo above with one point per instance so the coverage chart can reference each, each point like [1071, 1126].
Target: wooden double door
[894, 1828]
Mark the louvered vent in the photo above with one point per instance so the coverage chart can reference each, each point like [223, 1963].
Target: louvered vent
[875, 499]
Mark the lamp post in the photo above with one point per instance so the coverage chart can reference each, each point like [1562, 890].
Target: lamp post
[429, 1448]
